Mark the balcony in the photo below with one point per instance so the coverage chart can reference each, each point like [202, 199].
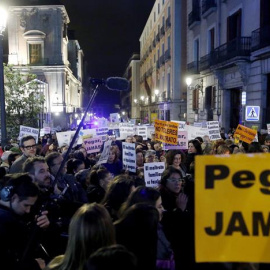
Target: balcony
[162, 60]
[206, 61]
[167, 55]
[168, 22]
[154, 43]
[193, 67]
[194, 17]
[208, 6]
[162, 31]
[157, 38]
[41, 62]
[260, 38]
[239, 47]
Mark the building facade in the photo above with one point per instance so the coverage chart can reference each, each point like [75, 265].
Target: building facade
[38, 42]
[129, 101]
[228, 61]
[162, 92]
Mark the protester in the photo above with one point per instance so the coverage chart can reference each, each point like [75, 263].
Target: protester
[114, 164]
[90, 229]
[117, 193]
[18, 195]
[99, 179]
[28, 147]
[137, 231]
[151, 196]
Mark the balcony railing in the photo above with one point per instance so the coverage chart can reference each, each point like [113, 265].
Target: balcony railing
[194, 17]
[260, 38]
[39, 62]
[162, 31]
[167, 55]
[208, 6]
[162, 60]
[206, 61]
[240, 46]
[193, 67]
[157, 38]
[168, 22]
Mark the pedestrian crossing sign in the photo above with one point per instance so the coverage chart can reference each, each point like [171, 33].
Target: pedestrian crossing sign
[252, 113]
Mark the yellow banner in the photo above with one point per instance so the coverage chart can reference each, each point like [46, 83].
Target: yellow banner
[246, 134]
[232, 208]
[166, 131]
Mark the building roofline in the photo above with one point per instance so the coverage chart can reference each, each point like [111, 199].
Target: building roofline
[62, 7]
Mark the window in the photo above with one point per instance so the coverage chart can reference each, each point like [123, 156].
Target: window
[210, 97]
[195, 99]
[211, 40]
[234, 25]
[35, 43]
[35, 53]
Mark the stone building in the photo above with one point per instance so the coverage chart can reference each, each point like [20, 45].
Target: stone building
[228, 60]
[163, 63]
[38, 41]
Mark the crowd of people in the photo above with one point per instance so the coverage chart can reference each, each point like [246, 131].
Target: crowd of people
[60, 210]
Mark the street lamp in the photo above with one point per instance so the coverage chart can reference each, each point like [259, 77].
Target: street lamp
[3, 20]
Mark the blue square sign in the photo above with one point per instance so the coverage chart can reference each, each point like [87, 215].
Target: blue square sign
[252, 113]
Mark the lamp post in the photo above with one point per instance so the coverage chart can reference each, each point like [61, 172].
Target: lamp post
[3, 20]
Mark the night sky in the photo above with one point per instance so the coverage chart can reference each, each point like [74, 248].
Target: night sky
[108, 31]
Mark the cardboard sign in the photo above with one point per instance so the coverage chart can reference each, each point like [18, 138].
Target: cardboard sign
[213, 129]
[166, 131]
[268, 128]
[93, 145]
[232, 218]
[129, 156]
[105, 153]
[126, 129]
[24, 131]
[182, 142]
[246, 134]
[194, 132]
[142, 131]
[153, 172]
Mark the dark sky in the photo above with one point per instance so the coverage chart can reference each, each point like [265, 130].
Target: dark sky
[108, 32]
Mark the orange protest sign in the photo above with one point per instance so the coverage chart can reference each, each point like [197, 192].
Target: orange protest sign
[166, 131]
[246, 134]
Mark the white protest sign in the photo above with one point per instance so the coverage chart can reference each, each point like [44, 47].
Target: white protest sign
[126, 129]
[268, 128]
[142, 131]
[150, 131]
[93, 145]
[103, 132]
[63, 138]
[105, 153]
[153, 172]
[194, 132]
[129, 156]
[24, 131]
[213, 129]
[181, 126]
[182, 142]
[114, 117]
